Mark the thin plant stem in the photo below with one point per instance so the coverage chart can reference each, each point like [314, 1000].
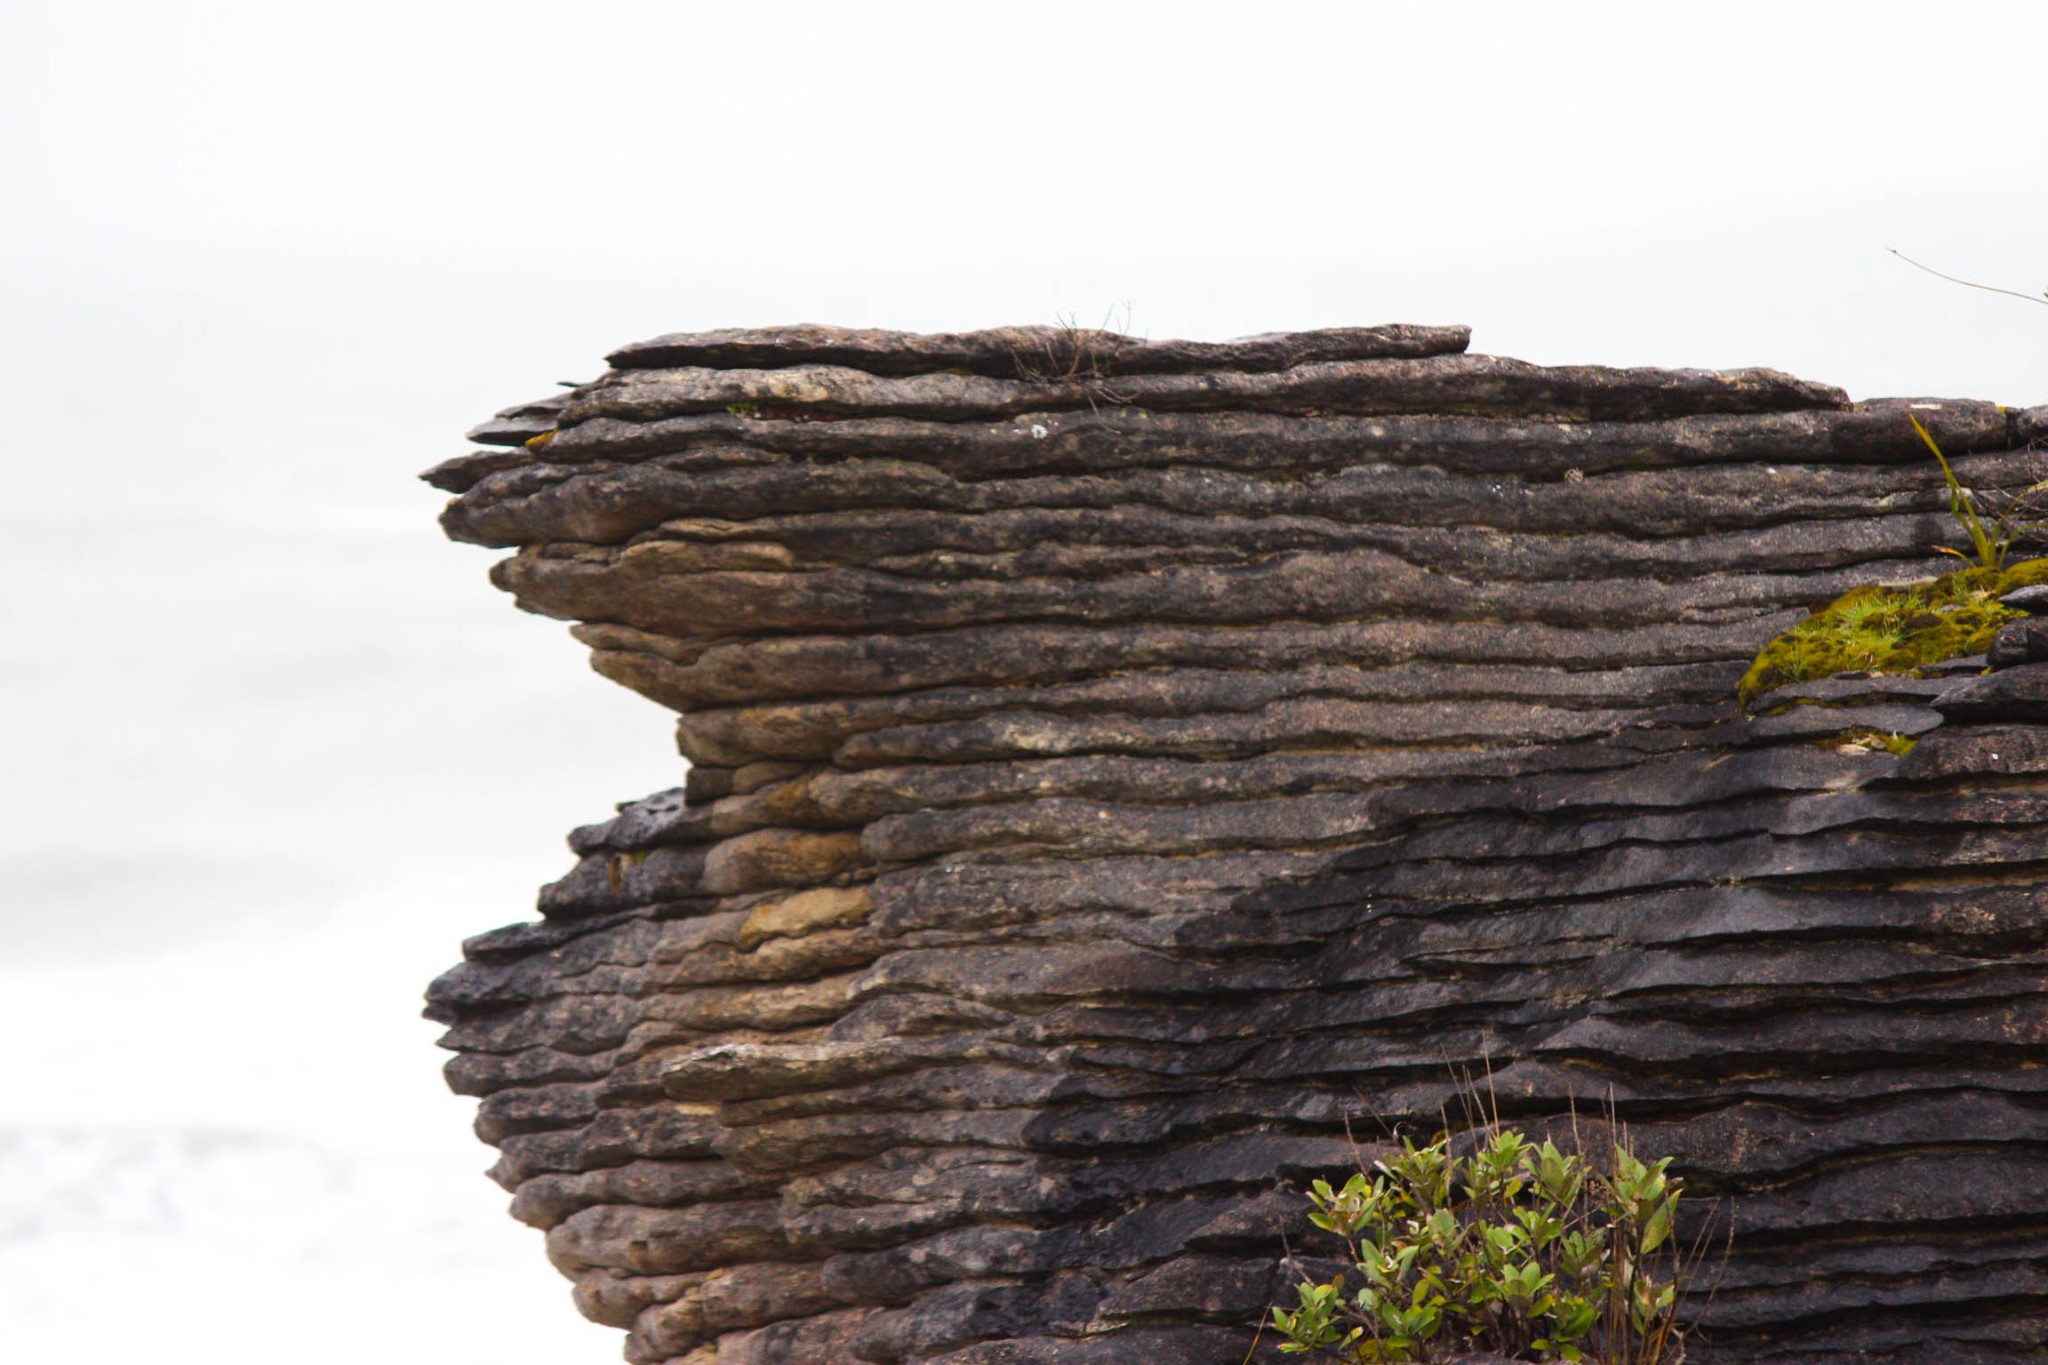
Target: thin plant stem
[1967, 284]
[1990, 554]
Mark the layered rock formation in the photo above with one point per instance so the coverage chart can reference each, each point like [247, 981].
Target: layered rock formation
[1121, 771]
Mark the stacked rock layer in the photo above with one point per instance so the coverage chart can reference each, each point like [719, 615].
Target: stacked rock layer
[1124, 774]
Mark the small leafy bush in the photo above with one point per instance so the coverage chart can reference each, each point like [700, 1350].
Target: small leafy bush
[1520, 1249]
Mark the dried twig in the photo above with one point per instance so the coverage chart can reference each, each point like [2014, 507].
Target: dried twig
[1968, 284]
[1084, 356]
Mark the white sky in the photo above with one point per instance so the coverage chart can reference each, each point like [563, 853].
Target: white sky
[269, 748]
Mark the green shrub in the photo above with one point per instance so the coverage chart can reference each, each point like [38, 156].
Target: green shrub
[1520, 1248]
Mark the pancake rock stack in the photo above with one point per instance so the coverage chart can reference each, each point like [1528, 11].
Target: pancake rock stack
[1124, 772]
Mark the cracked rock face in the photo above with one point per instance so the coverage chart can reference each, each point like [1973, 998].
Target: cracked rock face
[1125, 772]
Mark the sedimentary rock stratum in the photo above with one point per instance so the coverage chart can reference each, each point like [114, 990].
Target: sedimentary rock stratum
[1124, 775]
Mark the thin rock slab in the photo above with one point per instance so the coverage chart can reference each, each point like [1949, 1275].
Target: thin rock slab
[1011, 352]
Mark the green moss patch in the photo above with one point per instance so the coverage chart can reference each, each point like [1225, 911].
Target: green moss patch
[1893, 629]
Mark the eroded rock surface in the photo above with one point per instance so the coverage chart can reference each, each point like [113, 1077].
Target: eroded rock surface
[1122, 770]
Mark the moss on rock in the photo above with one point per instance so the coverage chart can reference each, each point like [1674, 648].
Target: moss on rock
[1893, 628]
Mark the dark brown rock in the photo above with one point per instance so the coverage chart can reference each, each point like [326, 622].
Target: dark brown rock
[1132, 778]
[2033, 600]
[2014, 693]
[2020, 642]
[1005, 351]
[1458, 385]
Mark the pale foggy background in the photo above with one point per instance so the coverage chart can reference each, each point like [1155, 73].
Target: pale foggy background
[271, 748]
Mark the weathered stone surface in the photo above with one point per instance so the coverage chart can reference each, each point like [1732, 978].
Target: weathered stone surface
[614, 477]
[1458, 385]
[2033, 600]
[1125, 773]
[2017, 693]
[1007, 351]
[2019, 642]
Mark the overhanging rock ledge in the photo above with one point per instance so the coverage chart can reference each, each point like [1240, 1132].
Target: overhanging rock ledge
[1121, 769]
